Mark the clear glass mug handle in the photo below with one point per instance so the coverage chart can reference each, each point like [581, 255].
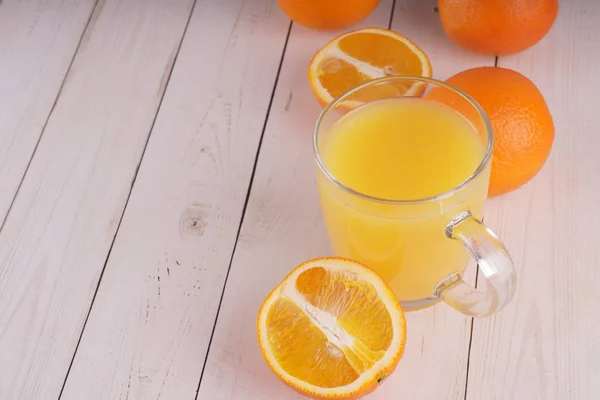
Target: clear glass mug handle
[495, 264]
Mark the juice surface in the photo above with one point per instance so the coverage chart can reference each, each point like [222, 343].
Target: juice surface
[401, 149]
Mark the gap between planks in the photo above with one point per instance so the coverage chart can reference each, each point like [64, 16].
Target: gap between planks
[249, 191]
[164, 90]
[58, 93]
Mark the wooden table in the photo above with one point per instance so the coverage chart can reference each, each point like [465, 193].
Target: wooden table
[156, 182]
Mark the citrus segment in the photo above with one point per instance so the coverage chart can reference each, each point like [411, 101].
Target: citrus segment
[341, 294]
[335, 70]
[332, 329]
[383, 51]
[308, 357]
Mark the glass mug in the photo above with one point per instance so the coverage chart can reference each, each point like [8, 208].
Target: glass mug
[420, 247]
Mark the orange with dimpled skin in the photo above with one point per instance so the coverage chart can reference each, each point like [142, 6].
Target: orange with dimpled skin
[327, 14]
[521, 121]
[497, 27]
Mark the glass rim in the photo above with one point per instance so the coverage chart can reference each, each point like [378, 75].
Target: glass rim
[440, 196]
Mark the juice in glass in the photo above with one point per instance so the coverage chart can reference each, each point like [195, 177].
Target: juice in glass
[401, 149]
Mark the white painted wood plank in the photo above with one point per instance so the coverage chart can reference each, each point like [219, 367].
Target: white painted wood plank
[546, 344]
[149, 329]
[38, 39]
[59, 231]
[283, 227]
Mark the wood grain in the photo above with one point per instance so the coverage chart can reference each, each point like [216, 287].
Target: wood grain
[38, 39]
[546, 344]
[150, 326]
[59, 231]
[283, 227]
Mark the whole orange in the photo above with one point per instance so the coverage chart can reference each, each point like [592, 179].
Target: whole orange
[521, 121]
[327, 14]
[497, 27]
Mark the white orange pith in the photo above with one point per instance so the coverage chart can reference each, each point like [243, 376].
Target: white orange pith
[332, 329]
[360, 56]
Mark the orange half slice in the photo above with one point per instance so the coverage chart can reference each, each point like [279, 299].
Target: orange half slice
[360, 56]
[332, 329]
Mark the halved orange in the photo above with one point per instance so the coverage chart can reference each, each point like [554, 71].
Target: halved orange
[360, 56]
[332, 329]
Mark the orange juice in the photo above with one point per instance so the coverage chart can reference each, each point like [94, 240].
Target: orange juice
[399, 150]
